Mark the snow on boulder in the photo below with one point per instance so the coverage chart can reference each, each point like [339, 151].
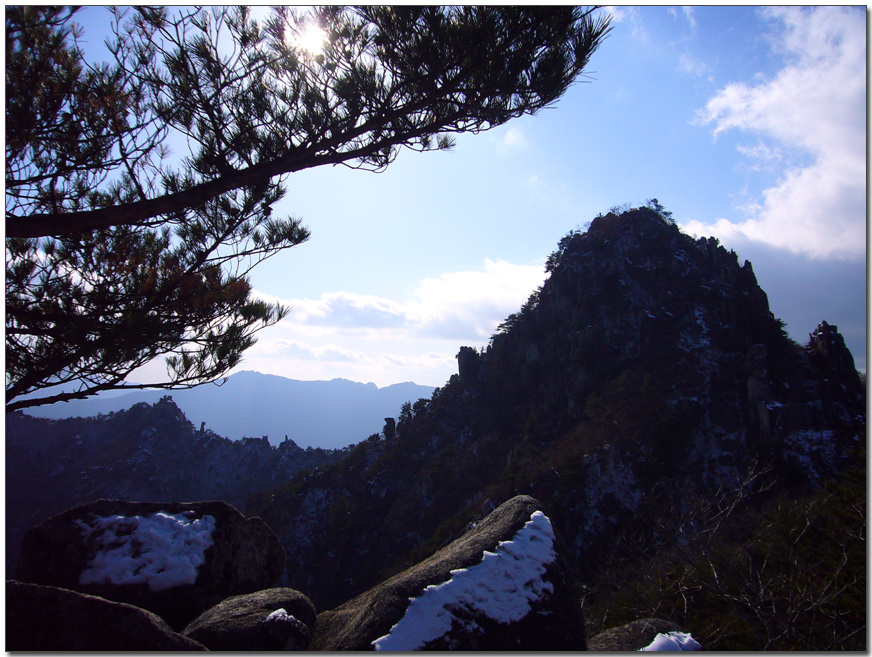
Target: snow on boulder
[672, 642]
[645, 634]
[174, 559]
[161, 550]
[267, 621]
[504, 585]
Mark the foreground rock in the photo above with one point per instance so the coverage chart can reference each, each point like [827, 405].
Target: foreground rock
[174, 559]
[46, 618]
[270, 620]
[632, 636]
[504, 585]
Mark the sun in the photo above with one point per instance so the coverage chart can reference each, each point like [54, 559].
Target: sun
[311, 39]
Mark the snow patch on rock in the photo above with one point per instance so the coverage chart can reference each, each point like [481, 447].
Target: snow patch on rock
[161, 550]
[672, 642]
[501, 587]
[279, 615]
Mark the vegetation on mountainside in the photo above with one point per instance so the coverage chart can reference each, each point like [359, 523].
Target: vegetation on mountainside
[762, 568]
[751, 570]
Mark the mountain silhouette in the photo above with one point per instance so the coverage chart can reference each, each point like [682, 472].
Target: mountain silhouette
[326, 414]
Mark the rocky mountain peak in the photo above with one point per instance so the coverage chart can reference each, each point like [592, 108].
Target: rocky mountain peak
[632, 292]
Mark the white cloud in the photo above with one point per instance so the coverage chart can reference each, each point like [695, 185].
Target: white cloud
[618, 14]
[688, 14]
[383, 362]
[351, 311]
[691, 65]
[816, 105]
[472, 303]
[297, 350]
[465, 304]
[631, 16]
[761, 152]
[512, 139]
[369, 338]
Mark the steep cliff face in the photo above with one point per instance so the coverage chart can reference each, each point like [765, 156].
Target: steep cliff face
[648, 370]
[146, 453]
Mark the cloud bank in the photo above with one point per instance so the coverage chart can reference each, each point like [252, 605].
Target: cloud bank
[809, 121]
[458, 305]
[372, 338]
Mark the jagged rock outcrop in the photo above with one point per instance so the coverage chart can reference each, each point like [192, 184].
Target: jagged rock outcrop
[268, 620]
[50, 619]
[174, 559]
[759, 391]
[840, 387]
[830, 355]
[468, 366]
[504, 585]
[632, 636]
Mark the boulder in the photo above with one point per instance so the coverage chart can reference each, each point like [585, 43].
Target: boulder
[831, 357]
[632, 636]
[270, 620]
[175, 559]
[48, 619]
[504, 585]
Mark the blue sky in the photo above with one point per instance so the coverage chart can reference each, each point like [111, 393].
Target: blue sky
[746, 123]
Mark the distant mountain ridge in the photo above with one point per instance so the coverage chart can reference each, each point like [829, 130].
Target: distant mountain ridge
[327, 414]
